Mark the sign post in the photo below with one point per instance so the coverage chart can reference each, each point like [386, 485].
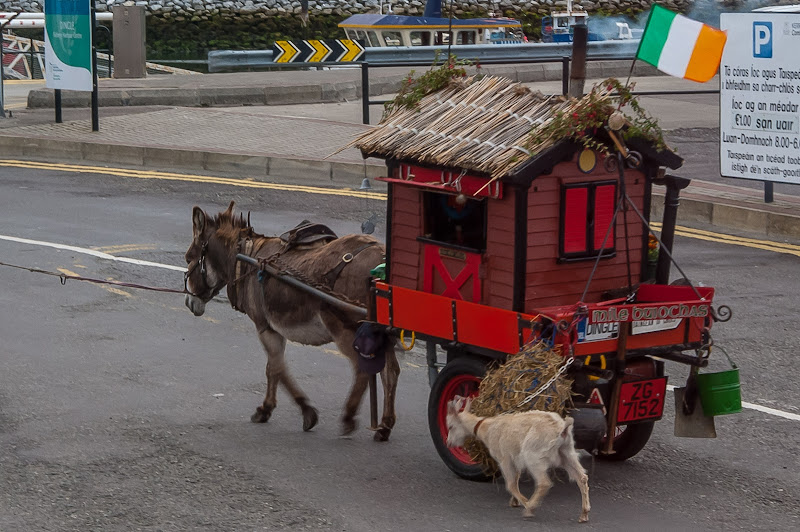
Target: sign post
[68, 40]
[760, 97]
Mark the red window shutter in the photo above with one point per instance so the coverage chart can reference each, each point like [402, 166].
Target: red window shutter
[604, 202]
[576, 204]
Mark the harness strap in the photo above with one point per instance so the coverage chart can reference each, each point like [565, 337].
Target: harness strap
[331, 277]
[246, 248]
[478, 424]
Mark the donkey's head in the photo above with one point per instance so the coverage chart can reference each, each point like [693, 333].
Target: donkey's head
[208, 257]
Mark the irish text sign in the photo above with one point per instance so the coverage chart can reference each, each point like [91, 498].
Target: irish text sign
[759, 97]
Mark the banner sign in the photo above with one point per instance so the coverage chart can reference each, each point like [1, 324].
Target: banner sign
[759, 97]
[650, 312]
[68, 44]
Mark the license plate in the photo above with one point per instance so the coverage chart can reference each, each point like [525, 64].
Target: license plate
[641, 400]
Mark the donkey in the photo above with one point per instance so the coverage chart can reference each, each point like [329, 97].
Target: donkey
[281, 312]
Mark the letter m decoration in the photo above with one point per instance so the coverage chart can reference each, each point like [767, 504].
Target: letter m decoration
[437, 276]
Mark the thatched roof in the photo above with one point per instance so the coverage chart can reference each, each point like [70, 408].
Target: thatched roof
[485, 125]
[482, 126]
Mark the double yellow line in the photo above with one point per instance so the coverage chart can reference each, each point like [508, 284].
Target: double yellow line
[169, 176]
[698, 234]
[767, 245]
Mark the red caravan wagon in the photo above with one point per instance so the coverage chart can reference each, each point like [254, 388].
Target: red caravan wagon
[491, 244]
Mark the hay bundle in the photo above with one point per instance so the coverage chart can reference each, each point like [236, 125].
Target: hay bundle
[505, 387]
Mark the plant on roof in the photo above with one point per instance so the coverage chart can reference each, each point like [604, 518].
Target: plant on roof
[437, 77]
[585, 120]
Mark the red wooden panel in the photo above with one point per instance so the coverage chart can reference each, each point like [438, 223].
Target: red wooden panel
[402, 256]
[496, 249]
[422, 313]
[543, 238]
[501, 290]
[450, 276]
[605, 198]
[539, 214]
[487, 326]
[501, 277]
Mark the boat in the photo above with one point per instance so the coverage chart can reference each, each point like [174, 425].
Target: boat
[558, 26]
[431, 29]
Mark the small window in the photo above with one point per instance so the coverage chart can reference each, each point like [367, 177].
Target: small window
[587, 212]
[420, 38]
[441, 37]
[373, 39]
[392, 38]
[465, 37]
[448, 221]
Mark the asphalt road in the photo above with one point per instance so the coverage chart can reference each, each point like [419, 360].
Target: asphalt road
[119, 410]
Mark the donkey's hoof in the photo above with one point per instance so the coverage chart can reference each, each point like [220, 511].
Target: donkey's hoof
[310, 418]
[382, 433]
[261, 415]
[348, 426]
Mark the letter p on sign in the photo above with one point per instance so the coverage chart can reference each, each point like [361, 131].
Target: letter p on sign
[762, 39]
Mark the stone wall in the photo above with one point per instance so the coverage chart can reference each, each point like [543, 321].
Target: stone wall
[201, 9]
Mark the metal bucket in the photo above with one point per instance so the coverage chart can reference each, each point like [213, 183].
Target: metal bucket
[720, 392]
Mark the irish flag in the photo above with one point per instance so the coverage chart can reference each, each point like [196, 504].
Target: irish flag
[680, 46]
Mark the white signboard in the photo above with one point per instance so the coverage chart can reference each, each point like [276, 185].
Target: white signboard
[759, 96]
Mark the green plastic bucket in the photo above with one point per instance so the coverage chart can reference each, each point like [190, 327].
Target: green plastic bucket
[720, 393]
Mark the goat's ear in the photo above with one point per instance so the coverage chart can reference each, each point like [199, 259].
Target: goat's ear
[468, 404]
[198, 221]
[452, 406]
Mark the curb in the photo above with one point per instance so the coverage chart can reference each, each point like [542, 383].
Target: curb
[724, 215]
[259, 167]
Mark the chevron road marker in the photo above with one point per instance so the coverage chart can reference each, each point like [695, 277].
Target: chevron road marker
[317, 51]
[286, 51]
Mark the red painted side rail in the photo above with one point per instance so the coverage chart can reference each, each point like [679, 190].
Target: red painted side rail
[507, 331]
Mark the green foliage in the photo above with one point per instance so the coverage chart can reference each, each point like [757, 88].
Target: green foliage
[437, 77]
[586, 120]
[168, 38]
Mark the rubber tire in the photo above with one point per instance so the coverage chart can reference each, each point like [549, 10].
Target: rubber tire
[460, 369]
[629, 443]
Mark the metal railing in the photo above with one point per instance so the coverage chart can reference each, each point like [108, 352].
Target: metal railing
[226, 60]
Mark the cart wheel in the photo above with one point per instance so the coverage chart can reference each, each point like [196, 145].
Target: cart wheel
[628, 441]
[462, 376]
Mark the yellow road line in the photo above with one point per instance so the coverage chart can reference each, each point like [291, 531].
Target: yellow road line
[169, 176]
[699, 234]
[710, 236]
[125, 247]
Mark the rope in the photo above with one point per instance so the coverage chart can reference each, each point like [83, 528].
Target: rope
[64, 277]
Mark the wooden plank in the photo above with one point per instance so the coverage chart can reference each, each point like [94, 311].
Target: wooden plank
[404, 255]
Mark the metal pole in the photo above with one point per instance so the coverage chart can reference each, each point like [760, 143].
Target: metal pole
[95, 105]
[565, 75]
[57, 94]
[768, 189]
[2, 75]
[671, 204]
[365, 93]
[577, 75]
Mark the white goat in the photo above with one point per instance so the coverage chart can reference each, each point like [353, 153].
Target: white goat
[536, 441]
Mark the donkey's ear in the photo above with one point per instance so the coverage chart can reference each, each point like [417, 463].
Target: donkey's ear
[229, 211]
[198, 221]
